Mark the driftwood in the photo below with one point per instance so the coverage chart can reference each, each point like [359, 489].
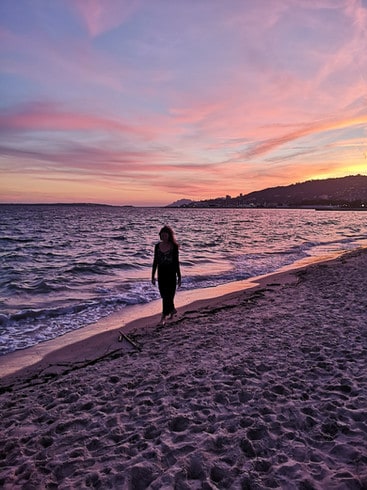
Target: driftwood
[124, 336]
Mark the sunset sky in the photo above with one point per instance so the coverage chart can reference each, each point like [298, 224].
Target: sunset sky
[145, 102]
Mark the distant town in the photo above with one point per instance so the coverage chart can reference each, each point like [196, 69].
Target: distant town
[337, 193]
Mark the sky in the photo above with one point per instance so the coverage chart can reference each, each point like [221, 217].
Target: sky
[146, 102]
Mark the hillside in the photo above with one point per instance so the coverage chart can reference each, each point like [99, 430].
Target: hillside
[346, 192]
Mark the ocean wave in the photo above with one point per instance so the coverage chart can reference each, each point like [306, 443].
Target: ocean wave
[38, 287]
[28, 327]
[98, 267]
[101, 268]
[120, 238]
[4, 319]
[16, 239]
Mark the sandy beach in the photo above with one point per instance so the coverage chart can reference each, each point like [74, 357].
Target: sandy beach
[264, 388]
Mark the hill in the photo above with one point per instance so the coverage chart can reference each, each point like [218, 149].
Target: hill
[343, 192]
[180, 203]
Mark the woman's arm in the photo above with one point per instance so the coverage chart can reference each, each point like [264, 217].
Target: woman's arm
[176, 259]
[155, 263]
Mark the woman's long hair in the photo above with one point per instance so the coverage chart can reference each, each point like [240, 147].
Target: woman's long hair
[171, 235]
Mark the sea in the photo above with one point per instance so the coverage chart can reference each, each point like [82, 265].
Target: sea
[64, 267]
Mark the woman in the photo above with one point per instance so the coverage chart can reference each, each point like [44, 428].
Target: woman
[167, 261]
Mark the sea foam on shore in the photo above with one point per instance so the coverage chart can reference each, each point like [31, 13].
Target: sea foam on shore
[265, 389]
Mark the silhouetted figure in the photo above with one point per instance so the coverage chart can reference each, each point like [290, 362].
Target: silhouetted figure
[166, 260]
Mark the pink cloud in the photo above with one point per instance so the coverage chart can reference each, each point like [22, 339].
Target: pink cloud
[195, 113]
[48, 117]
[266, 146]
[101, 16]
[97, 161]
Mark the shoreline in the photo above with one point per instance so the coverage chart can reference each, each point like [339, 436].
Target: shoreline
[101, 339]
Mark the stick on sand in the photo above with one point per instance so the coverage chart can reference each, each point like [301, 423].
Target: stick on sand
[123, 336]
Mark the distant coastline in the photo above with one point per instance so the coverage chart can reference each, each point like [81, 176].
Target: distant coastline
[337, 194]
[127, 206]
[66, 204]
